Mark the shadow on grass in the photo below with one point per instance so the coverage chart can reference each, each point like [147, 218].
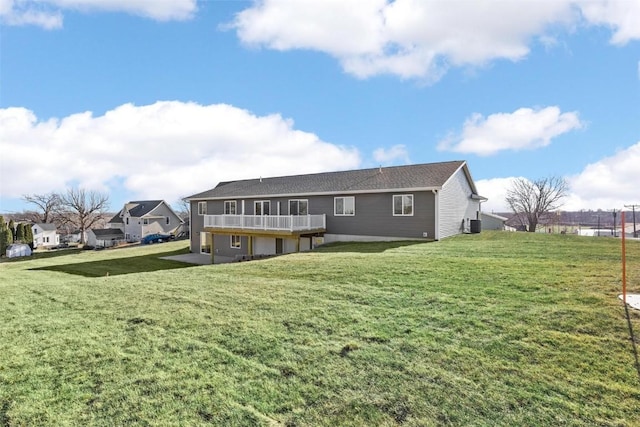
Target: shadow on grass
[115, 267]
[367, 247]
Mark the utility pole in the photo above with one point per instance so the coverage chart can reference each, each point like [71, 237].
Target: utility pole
[633, 210]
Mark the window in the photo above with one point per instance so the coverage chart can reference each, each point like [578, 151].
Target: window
[344, 206]
[145, 221]
[168, 221]
[299, 207]
[202, 208]
[127, 220]
[230, 207]
[403, 205]
[235, 242]
[261, 207]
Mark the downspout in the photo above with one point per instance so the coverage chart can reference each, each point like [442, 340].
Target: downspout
[437, 214]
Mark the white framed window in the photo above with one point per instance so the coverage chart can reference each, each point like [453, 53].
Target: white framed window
[202, 208]
[298, 207]
[261, 207]
[344, 206]
[168, 220]
[145, 221]
[403, 205]
[127, 220]
[230, 207]
[235, 241]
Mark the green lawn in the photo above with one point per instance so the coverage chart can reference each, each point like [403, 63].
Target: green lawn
[487, 329]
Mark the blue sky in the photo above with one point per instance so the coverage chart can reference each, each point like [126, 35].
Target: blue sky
[162, 99]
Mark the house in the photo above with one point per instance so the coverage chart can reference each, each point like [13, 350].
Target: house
[267, 216]
[45, 235]
[105, 237]
[491, 221]
[141, 218]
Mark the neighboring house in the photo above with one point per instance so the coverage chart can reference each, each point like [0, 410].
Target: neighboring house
[490, 221]
[268, 216]
[105, 237]
[45, 235]
[141, 218]
[74, 237]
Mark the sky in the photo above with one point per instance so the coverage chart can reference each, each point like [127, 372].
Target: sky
[142, 99]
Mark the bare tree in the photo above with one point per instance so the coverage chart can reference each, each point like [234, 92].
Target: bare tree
[83, 208]
[48, 206]
[531, 200]
[183, 209]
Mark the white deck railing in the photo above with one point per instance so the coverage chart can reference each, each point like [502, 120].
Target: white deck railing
[267, 222]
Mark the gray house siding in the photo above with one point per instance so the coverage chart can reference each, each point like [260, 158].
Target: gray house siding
[455, 205]
[197, 225]
[373, 217]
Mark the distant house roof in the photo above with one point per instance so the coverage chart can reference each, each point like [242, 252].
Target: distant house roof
[492, 215]
[117, 219]
[410, 177]
[102, 233]
[46, 226]
[141, 208]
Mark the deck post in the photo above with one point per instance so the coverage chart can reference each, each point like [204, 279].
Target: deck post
[213, 249]
[250, 244]
[298, 244]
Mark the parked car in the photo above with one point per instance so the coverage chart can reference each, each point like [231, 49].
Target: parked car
[156, 238]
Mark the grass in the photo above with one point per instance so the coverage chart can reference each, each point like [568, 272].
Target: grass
[489, 329]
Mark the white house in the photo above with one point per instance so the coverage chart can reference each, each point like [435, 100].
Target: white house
[104, 237]
[140, 218]
[45, 235]
[491, 221]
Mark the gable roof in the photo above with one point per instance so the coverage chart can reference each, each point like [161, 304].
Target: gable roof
[107, 232]
[117, 218]
[142, 207]
[492, 215]
[427, 176]
[46, 226]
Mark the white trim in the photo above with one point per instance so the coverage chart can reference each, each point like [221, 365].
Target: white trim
[262, 203]
[298, 200]
[204, 203]
[231, 237]
[233, 203]
[436, 203]
[335, 202]
[393, 205]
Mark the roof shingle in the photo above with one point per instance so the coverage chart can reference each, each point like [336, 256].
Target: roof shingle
[424, 176]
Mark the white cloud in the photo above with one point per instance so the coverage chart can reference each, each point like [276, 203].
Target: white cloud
[623, 16]
[524, 129]
[606, 184]
[165, 150]
[422, 39]
[48, 13]
[387, 156]
[495, 190]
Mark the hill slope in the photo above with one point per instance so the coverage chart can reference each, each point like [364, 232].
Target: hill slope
[488, 329]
